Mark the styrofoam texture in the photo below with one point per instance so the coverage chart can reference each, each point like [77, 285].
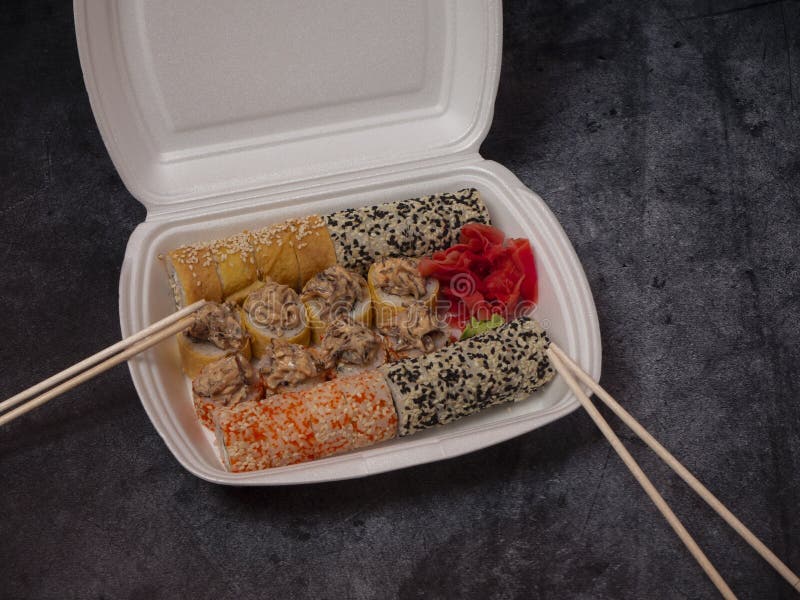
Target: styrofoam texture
[199, 100]
[565, 308]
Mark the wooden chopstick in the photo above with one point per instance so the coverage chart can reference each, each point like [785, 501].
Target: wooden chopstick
[96, 358]
[119, 352]
[682, 471]
[637, 472]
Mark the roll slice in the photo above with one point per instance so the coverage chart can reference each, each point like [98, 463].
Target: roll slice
[216, 331]
[395, 284]
[295, 427]
[273, 247]
[192, 275]
[313, 247]
[414, 331]
[286, 367]
[226, 382]
[348, 347]
[336, 292]
[235, 261]
[275, 312]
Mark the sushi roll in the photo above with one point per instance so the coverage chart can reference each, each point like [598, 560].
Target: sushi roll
[349, 347]
[336, 292]
[273, 247]
[224, 383]
[285, 367]
[394, 284]
[501, 365]
[235, 262]
[414, 331]
[192, 275]
[216, 331]
[274, 312]
[239, 297]
[414, 227]
[313, 247]
[294, 427]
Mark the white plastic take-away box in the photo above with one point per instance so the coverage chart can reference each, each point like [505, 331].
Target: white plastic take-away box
[225, 116]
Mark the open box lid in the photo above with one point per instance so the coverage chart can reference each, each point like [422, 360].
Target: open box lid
[198, 100]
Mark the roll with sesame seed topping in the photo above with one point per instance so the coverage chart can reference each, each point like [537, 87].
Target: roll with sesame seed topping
[313, 247]
[192, 275]
[274, 252]
[235, 262]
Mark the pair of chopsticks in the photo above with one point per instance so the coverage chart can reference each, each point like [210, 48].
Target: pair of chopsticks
[569, 370]
[97, 363]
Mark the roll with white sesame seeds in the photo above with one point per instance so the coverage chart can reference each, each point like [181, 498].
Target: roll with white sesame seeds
[274, 252]
[235, 261]
[313, 247]
[272, 313]
[192, 275]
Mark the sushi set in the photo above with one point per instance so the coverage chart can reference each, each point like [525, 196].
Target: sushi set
[324, 381]
[331, 281]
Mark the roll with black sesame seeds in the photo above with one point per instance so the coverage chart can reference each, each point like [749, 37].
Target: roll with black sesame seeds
[502, 365]
[415, 227]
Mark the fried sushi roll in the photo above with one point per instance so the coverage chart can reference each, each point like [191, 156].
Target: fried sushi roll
[192, 275]
[235, 262]
[396, 283]
[415, 227]
[336, 292]
[224, 383]
[273, 247]
[313, 247]
[216, 331]
[348, 347]
[414, 331]
[284, 367]
[501, 365]
[275, 312]
[334, 417]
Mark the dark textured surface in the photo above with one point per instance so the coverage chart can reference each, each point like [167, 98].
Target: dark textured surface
[663, 134]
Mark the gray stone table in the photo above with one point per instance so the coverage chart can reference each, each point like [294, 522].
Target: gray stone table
[664, 136]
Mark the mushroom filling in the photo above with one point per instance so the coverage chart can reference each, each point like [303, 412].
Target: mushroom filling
[399, 276]
[416, 328]
[227, 381]
[286, 365]
[218, 324]
[335, 291]
[346, 341]
[275, 306]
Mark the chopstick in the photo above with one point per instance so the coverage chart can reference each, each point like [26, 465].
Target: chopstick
[637, 472]
[681, 471]
[81, 372]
